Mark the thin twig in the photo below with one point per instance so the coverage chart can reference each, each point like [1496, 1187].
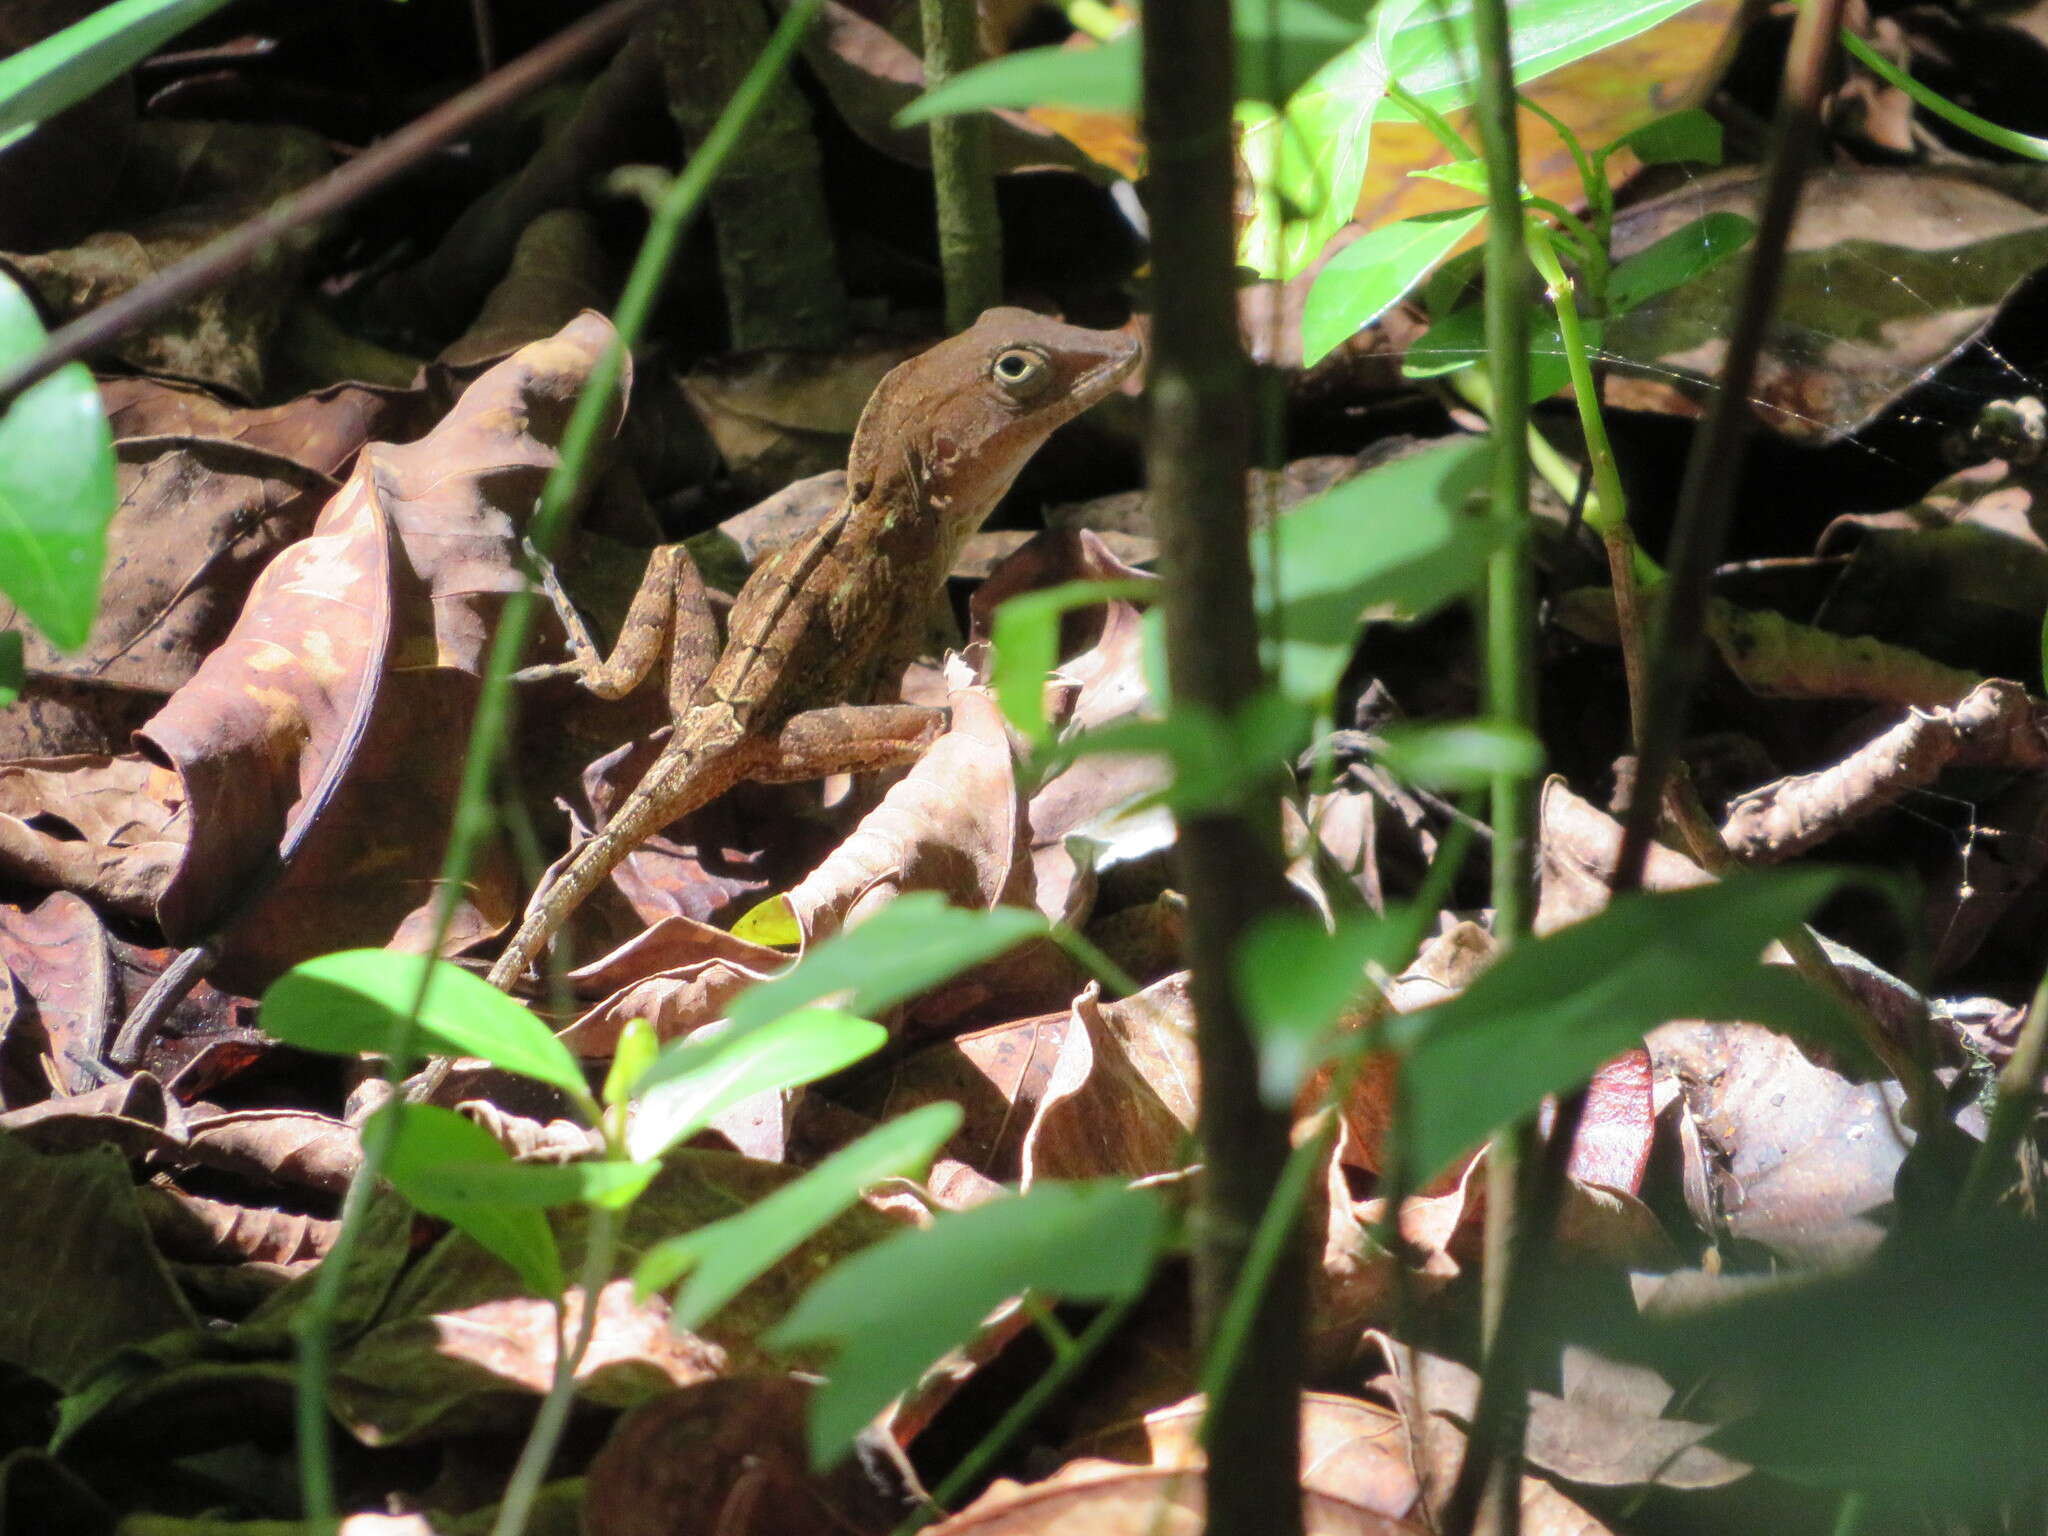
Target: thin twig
[220, 259]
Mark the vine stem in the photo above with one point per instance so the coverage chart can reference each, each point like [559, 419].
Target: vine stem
[472, 820]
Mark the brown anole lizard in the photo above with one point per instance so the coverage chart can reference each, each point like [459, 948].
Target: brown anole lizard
[834, 619]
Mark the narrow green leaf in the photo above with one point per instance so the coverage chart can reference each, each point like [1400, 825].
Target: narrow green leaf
[1459, 754]
[1554, 1008]
[1399, 541]
[1369, 276]
[896, 1307]
[1678, 258]
[468, 1185]
[915, 942]
[68, 66]
[352, 1001]
[1026, 638]
[1465, 175]
[1099, 79]
[694, 1080]
[13, 671]
[430, 1138]
[1692, 136]
[637, 1046]
[56, 485]
[727, 1256]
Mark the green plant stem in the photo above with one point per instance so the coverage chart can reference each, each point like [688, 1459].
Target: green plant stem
[1510, 683]
[2005, 138]
[2017, 1097]
[601, 1241]
[1027, 1407]
[472, 818]
[963, 171]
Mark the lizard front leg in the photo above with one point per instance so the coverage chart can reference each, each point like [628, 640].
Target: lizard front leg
[670, 611]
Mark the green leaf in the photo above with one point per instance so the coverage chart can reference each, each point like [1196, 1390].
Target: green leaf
[56, 484]
[1913, 1377]
[1371, 274]
[694, 1080]
[353, 1001]
[1280, 44]
[1399, 539]
[771, 923]
[1459, 754]
[1099, 79]
[915, 942]
[1554, 1008]
[468, 1185]
[1432, 51]
[68, 66]
[1295, 980]
[1217, 760]
[1678, 258]
[727, 1256]
[12, 670]
[429, 1138]
[632, 1055]
[1465, 175]
[1689, 137]
[1026, 638]
[895, 1308]
[1458, 341]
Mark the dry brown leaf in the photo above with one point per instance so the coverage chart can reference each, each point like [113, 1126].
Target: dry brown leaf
[313, 733]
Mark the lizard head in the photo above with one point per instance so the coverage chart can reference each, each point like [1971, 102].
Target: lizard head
[948, 430]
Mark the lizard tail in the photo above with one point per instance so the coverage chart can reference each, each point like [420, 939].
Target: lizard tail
[671, 789]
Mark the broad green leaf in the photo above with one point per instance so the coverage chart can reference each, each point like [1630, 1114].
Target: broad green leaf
[1459, 340]
[895, 1308]
[1280, 43]
[1307, 160]
[1432, 52]
[353, 1000]
[1296, 980]
[467, 1185]
[1399, 540]
[1371, 274]
[1918, 1377]
[1459, 754]
[915, 942]
[430, 1138]
[1026, 638]
[12, 673]
[694, 1080]
[68, 66]
[1678, 258]
[1543, 1018]
[56, 484]
[727, 1256]
[1691, 137]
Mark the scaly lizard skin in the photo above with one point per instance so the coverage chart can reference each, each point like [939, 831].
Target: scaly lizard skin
[836, 617]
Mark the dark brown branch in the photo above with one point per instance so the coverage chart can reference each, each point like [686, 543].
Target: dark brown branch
[1195, 457]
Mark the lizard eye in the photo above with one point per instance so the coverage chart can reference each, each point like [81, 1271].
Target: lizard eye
[1021, 371]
